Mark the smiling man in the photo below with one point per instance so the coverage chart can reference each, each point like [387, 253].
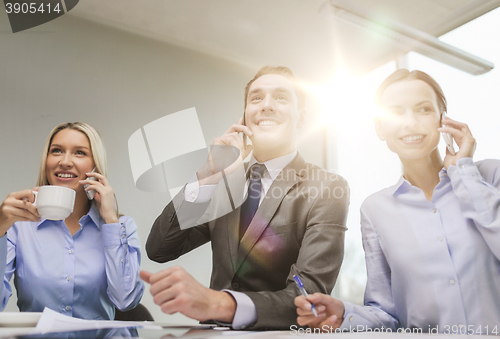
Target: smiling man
[292, 221]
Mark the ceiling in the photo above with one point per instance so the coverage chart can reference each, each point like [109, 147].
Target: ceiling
[295, 33]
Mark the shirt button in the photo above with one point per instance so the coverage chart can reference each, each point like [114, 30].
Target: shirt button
[121, 260]
[461, 325]
[351, 318]
[68, 278]
[441, 238]
[69, 252]
[452, 281]
[192, 195]
[67, 308]
[235, 285]
[123, 236]
[434, 210]
[123, 228]
[462, 166]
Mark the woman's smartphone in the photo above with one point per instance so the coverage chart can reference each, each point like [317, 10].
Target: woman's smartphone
[448, 139]
[91, 193]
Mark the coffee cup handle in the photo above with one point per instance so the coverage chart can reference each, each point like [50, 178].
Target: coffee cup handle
[36, 196]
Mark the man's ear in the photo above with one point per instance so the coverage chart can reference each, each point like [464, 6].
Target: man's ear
[302, 118]
[379, 129]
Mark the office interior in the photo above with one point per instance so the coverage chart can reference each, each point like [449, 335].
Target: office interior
[121, 64]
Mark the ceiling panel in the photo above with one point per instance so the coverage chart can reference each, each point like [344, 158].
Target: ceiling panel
[295, 33]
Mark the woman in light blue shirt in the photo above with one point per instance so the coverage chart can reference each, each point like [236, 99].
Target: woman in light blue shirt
[83, 266]
[432, 241]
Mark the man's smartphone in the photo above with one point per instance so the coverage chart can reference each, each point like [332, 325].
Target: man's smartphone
[448, 139]
[91, 193]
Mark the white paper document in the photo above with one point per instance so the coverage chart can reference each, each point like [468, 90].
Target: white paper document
[52, 321]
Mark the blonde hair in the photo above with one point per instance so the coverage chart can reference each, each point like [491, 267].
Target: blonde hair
[96, 147]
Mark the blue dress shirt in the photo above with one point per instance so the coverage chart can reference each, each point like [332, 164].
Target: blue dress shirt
[85, 275]
[433, 265]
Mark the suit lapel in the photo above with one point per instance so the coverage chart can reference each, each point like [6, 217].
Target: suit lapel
[232, 220]
[288, 177]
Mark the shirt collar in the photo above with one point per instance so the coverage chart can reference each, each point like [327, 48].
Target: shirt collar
[400, 186]
[276, 165]
[403, 185]
[93, 215]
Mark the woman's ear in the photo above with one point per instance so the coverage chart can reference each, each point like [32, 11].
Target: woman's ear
[379, 129]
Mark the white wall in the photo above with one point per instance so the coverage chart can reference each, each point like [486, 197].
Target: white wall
[73, 70]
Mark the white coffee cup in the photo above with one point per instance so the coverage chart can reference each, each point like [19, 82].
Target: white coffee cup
[54, 202]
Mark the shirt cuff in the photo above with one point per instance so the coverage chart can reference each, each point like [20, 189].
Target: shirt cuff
[463, 166]
[113, 234]
[3, 243]
[193, 192]
[353, 322]
[246, 313]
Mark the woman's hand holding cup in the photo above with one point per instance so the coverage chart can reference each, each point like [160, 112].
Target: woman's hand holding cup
[104, 196]
[18, 206]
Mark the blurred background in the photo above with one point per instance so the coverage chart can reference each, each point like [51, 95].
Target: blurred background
[121, 64]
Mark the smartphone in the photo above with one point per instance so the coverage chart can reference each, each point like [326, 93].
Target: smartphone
[448, 139]
[91, 193]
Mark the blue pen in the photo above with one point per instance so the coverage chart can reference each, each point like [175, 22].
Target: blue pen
[302, 290]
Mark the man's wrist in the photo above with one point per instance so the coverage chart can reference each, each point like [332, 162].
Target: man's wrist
[224, 306]
[210, 179]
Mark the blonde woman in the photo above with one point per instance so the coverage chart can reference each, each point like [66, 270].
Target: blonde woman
[83, 266]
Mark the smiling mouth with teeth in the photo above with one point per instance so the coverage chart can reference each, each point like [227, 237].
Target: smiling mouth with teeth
[412, 138]
[268, 123]
[65, 175]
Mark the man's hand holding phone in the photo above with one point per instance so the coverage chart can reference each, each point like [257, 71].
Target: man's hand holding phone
[208, 175]
[463, 137]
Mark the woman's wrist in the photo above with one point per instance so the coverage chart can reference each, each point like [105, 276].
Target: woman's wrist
[110, 219]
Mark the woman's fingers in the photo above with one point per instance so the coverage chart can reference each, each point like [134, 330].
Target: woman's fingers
[17, 207]
[456, 124]
[24, 215]
[24, 205]
[100, 178]
[462, 136]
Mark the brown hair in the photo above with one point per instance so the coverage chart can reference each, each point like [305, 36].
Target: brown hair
[405, 75]
[279, 70]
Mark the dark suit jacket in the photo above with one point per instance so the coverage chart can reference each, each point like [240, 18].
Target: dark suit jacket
[298, 229]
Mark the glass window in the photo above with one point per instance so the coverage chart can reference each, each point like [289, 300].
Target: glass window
[366, 162]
